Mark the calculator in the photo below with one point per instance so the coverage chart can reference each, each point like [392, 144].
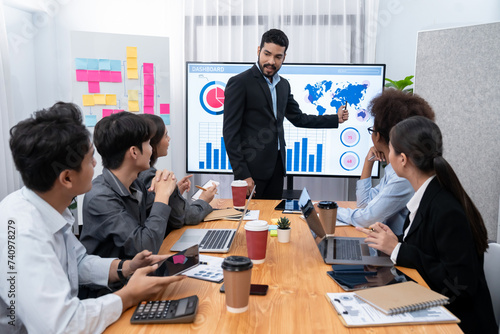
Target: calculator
[166, 311]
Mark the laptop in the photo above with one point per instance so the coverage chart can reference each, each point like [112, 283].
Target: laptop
[210, 240]
[339, 250]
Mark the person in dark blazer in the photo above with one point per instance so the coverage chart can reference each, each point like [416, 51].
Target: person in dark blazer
[444, 235]
[256, 103]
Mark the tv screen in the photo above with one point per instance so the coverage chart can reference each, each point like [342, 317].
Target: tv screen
[319, 89]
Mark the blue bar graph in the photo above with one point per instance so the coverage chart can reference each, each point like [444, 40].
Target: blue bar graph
[299, 159]
[289, 153]
[212, 153]
[319, 160]
[209, 155]
[311, 162]
[304, 154]
[296, 156]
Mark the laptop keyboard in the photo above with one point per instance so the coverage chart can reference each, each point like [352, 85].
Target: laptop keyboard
[215, 239]
[346, 249]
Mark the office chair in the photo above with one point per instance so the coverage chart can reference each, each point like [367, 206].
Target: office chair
[492, 272]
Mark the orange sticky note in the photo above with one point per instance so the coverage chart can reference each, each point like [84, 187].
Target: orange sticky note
[88, 100]
[133, 105]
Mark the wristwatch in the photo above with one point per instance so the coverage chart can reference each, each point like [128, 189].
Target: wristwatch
[119, 271]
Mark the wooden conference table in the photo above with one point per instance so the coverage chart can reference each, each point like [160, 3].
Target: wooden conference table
[295, 302]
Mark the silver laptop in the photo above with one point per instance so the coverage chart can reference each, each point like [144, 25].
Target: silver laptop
[210, 240]
[339, 250]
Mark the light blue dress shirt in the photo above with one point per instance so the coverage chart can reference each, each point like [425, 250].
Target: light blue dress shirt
[47, 266]
[272, 89]
[384, 203]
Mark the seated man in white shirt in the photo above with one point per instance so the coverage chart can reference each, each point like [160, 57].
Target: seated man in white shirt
[42, 259]
[385, 202]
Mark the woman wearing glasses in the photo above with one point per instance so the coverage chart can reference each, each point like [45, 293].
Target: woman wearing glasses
[444, 235]
[385, 202]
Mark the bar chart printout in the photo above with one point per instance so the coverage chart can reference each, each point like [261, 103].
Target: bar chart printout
[212, 150]
[305, 150]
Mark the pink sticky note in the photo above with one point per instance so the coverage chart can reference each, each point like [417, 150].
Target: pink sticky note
[105, 76]
[149, 90]
[106, 112]
[116, 76]
[94, 87]
[164, 108]
[149, 100]
[81, 75]
[149, 110]
[147, 68]
[116, 111]
[149, 79]
[93, 75]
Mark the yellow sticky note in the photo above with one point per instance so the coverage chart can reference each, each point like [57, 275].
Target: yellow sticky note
[99, 99]
[133, 95]
[88, 100]
[274, 221]
[132, 63]
[131, 52]
[111, 99]
[132, 73]
[133, 105]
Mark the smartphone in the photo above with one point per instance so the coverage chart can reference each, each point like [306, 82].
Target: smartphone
[255, 289]
[178, 263]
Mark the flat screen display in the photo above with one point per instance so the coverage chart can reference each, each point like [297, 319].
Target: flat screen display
[319, 89]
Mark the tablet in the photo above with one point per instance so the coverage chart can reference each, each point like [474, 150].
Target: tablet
[357, 277]
[179, 263]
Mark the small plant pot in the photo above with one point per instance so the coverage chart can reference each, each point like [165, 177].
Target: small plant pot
[284, 235]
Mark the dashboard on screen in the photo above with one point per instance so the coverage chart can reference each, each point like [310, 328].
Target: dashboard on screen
[319, 89]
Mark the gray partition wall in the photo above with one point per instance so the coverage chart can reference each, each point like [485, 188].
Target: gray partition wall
[458, 73]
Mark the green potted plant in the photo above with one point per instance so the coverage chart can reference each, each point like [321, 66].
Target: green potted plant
[284, 230]
[401, 84]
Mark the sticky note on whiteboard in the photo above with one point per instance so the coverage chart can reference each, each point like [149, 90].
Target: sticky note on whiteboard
[90, 120]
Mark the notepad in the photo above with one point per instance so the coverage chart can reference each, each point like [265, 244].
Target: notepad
[402, 297]
[353, 312]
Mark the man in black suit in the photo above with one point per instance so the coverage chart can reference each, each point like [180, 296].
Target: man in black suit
[256, 102]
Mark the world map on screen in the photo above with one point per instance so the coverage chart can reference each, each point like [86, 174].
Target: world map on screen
[326, 95]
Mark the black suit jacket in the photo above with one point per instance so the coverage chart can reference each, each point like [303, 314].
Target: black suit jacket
[251, 130]
[440, 246]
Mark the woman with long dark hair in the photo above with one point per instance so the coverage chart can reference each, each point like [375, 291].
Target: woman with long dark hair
[183, 213]
[444, 236]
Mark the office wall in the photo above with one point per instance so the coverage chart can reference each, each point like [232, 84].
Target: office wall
[399, 22]
[457, 72]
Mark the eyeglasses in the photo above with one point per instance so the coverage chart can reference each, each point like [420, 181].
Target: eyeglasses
[370, 130]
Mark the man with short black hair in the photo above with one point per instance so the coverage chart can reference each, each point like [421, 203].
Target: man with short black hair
[118, 219]
[41, 258]
[256, 103]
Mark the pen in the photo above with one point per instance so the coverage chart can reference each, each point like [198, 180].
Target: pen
[371, 158]
[200, 187]
[344, 311]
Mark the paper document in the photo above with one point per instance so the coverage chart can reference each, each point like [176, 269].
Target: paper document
[356, 313]
[338, 223]
[209, 269]
[206, 185]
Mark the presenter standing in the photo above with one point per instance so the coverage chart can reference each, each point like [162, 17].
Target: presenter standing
[256, 103]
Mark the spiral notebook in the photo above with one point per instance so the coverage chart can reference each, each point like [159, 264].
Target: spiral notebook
[402, 297]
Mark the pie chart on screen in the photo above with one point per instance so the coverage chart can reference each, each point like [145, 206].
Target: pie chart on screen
[212, 97]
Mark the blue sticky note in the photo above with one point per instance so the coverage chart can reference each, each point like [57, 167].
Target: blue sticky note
[81, 63]
[90, 120]
[92, 64]
[116, 65]
[166, 119]
[273, 227]
[104, 65]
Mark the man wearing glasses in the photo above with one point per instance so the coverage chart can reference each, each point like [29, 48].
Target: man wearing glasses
[386, 202]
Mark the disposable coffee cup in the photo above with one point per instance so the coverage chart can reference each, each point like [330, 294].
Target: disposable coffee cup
[239, 190]
[237, 271]
[256, 234]
[327, 211]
